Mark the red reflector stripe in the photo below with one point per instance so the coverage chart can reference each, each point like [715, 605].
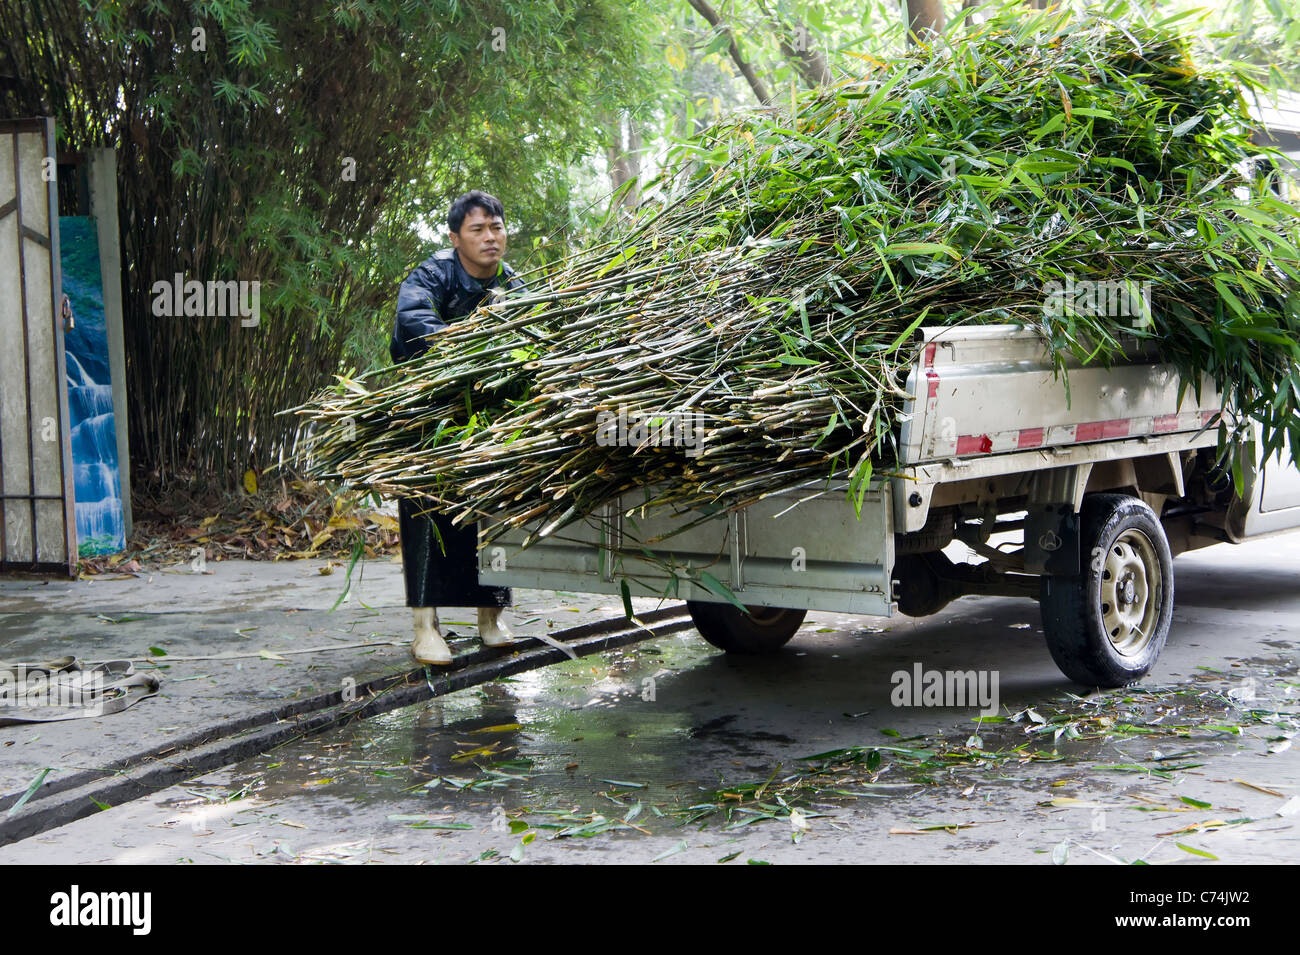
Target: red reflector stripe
[1030, 438]
[1096, 430]
[1087, 431]
[974, 444]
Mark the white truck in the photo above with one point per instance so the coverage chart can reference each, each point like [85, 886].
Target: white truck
[1097, 488]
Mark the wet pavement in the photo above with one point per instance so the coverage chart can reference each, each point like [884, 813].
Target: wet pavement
[241, 651]
[668, 751]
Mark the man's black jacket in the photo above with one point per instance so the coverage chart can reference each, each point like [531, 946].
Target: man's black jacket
[439, 291]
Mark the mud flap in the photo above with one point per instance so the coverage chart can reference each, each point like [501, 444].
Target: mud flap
[1052, 540]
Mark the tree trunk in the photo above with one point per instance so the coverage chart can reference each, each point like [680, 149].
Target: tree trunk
[635, 144]
[924, 16]
[615, 157]
[622, 157]
[796, 47]
[715, 20]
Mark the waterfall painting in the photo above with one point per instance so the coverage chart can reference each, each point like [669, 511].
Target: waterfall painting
[100, 524]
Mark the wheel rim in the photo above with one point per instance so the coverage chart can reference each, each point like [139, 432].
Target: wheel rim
[1131, 592]
[764, 616]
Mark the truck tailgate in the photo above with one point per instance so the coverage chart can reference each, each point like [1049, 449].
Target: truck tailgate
[993, 389]
[816, 556]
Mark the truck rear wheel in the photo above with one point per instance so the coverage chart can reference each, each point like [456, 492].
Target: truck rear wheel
[761, 630]
[1106, 626]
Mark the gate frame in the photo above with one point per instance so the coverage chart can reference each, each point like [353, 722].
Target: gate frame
[10, 129]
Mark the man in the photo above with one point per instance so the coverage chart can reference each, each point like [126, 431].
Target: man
[449, 285]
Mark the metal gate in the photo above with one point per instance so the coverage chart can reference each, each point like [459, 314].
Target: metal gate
[37, 525]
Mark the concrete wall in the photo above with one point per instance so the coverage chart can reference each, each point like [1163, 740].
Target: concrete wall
[103, 207]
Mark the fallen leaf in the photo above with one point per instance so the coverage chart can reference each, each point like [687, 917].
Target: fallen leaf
[1069, 802]
[1195, 827]
[489, 750]
[925, 830]
[1197, 852]
[502, 728]
[680, 847]
[1263, 789]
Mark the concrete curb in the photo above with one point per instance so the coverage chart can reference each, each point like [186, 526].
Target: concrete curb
[79, 795]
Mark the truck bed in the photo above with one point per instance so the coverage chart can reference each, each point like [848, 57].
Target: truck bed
[984, 402]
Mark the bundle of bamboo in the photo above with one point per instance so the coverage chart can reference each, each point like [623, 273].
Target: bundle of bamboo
[746, 332]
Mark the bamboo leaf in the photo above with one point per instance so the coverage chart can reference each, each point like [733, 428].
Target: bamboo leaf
[922, 248]
[718, 588]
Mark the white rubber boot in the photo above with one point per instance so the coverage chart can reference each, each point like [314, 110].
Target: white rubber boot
[428, 645]
[492, 630]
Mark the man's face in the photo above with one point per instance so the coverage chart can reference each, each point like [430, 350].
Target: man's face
[480, 243]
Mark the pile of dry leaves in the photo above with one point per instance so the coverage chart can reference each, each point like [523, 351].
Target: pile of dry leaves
[283, 519]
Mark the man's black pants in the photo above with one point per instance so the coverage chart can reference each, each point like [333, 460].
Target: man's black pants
[438, 578]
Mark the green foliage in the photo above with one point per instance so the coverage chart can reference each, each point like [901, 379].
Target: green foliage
[238, 126]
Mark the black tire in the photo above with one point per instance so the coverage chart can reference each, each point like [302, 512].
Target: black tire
[762, 630]
[920, 584]
[1106, 626]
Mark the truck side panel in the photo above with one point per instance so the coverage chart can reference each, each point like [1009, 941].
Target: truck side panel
[817, 555]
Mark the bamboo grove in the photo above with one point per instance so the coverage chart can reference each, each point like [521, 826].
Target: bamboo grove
[297, 144]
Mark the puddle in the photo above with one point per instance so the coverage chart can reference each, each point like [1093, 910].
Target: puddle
[541, 739]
